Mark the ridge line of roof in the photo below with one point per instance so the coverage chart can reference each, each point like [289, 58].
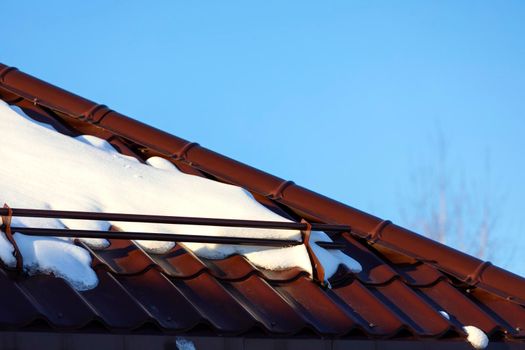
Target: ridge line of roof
[306, 202]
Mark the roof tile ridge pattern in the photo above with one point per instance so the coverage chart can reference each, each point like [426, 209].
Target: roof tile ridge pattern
[90, 314]
[137, 262]
[180, 263]
[16, 84]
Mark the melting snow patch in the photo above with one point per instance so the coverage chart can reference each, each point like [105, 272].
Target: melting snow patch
[445, 314]
[184, 344]
[59, 257]
[43, 169]
[476, 337]
[7, 251]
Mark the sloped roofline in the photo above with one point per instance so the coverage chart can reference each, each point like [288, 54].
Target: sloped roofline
[16, 86]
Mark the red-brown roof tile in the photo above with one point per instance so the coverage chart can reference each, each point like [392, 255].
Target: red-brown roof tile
[406, 279]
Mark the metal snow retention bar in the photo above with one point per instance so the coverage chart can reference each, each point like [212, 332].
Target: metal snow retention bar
[16, 85]
[165, 219]
[162, 219]
[153, 236]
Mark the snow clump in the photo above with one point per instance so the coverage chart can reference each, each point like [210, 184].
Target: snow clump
[475, 336]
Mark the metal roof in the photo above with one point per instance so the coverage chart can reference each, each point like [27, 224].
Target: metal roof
[406, 279]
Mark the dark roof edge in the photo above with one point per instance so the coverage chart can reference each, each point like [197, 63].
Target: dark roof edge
[74, 341]
[15, 84]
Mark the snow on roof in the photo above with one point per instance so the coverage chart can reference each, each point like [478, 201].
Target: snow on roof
[475, 336]
[44, 169]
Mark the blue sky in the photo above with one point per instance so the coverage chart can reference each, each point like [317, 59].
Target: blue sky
[347, 98]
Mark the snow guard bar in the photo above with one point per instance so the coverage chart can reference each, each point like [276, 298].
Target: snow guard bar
[161, 219]
[305, 227]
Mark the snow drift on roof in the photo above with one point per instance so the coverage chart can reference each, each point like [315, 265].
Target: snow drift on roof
[44, 169]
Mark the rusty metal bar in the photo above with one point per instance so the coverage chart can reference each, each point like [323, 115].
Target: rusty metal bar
[180, 220]
[170, 237]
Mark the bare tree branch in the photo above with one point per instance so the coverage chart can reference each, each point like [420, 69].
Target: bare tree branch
[449, 207]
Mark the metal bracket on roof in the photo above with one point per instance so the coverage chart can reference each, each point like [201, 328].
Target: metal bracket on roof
[91, 114]
[375, 235]
[277, 194]
[474, 277]
[4, 71]
[6, 227]
[318, 273]
[182, 154]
